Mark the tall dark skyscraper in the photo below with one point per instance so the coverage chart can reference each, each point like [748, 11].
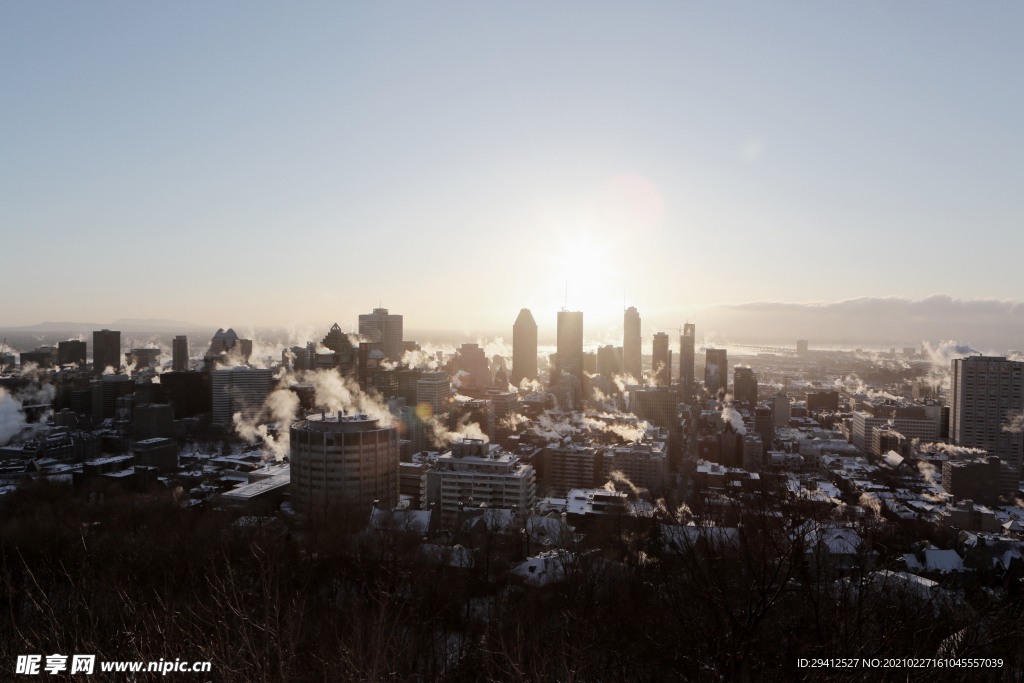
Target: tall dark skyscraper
[744, 385]
[687, 345]
[179, 353]
[661, 361]
[380, 326]
[567, 377]
[106, 350]
[569, 357]
[71, 352]
[524, 347]
[631, 344]
[716, 371]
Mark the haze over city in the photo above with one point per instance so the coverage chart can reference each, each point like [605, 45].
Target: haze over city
[266, 166]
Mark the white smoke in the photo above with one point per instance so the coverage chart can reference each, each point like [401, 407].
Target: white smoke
[870, 502]
[732, 416]
[958, 452]
[531, 386]
[332, 393]
[464, 429]
[942, 357]
[618, 477]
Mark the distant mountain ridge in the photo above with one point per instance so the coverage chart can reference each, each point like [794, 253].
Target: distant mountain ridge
[122, 324]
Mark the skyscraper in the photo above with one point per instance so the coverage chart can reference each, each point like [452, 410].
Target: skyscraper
[661, 361]
[239, 390]
[986, 399]
[744, 385]
[71, 352]
[715, 371]
[568, 371]
[379, 326]
[524, 348]
[569, 358]
[631, 343]
[687, 344]
[106, 350]
[179, 354]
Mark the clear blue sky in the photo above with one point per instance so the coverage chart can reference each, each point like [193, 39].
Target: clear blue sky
[265, 164]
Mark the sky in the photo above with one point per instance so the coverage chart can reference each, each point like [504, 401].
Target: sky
[234, 164]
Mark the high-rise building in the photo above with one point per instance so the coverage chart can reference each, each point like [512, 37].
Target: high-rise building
[716, 373]
[433, 389]
[986, 397]
[744, 385]
[472, 360]
[380, 326]
[71, 352]
[687, 346]
[661, 361]
[106, 350]
[524, 348]
[239, 389]
[609, 360]
[781, 410]
[801, 346]
[569, 354]
[179, 354]
[631, 358]
[341, 462]
[569, 358]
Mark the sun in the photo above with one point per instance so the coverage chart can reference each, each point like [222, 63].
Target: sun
[584, 277]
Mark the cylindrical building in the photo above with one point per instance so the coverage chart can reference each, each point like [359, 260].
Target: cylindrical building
[342, 461]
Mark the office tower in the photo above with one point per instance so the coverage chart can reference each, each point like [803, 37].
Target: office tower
[338, 341]
[687, 346]
[781, 410]
[472, 360]
[142, 358]
[188, 392]
[71, 352]
[222, 343]
[801, 346]
[569, 357]
[341, 462]
[433, 394]
[986, 398]
[661, 361]
[609, 361]
[715, 371]
[660, 407]
[909, 420]
[106, 350]
[179, 354]
[631, 344]
[524, 348]
[744, 385]
[239, 390]
[380, 326]
[568, 373]
[478, 473]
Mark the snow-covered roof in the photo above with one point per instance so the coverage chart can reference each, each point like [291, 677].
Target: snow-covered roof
[942, 561]
[544, 569]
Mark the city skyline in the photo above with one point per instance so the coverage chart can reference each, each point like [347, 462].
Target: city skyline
[787, 133]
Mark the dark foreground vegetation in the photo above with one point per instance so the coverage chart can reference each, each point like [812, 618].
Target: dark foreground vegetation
[139, 578]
